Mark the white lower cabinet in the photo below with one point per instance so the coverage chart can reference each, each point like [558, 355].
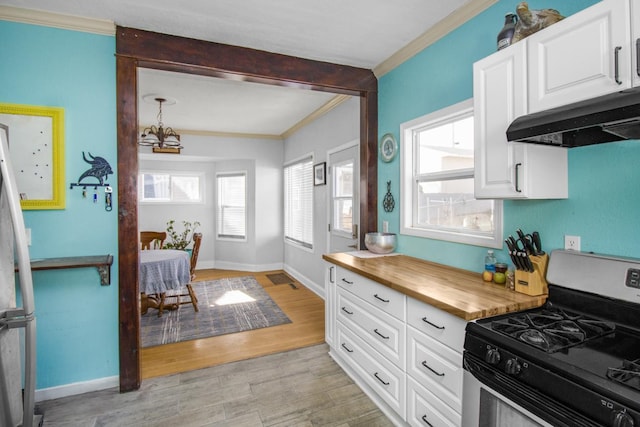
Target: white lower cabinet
[407, 355]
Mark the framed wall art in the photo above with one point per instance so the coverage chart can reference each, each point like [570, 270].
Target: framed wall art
[36, 146]
[320, 174]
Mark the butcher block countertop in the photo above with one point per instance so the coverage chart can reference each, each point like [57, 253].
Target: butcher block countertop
[459, 292]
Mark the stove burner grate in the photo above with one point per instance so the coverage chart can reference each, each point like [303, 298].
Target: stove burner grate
[628, 374]
[552, 330]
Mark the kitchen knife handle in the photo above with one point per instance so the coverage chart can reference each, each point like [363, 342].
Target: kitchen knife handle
[518, 190]
[616, 64]
[537, 244]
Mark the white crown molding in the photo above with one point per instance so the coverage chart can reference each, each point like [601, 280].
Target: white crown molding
[56, 20]
[442, 28]
[330, 105]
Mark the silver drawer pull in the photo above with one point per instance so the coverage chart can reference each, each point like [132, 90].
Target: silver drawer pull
[424, 363]
[377, 332]
[381, 299]
[346, 281]
[424, 319]
[346, 348]
[380, 379]
[424, 418]
[347, 311]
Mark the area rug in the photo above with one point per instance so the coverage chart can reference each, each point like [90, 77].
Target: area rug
[226, 306]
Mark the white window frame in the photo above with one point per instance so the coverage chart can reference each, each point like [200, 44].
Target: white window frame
[246, 189]
[409, 206]
[305, 246]
[171, 173]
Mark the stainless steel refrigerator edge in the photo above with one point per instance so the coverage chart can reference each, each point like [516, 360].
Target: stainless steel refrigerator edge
[16, 408]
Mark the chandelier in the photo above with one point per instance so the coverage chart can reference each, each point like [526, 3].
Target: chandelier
[163, 140]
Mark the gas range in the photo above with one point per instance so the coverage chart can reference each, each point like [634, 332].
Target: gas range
[578, 356]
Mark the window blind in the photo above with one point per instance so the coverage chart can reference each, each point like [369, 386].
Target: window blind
[298, 202]
[231, 207]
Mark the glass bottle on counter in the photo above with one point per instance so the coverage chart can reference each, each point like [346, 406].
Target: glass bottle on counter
[506, 34]
[489, 266]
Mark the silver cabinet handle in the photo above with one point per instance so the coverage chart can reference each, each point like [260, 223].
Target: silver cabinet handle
[346, 281]
[638, 57]
[347, 311]
[424, 418]
[380, 379]
[381, 299]
[331, 279]
[424, 363]
[378, 332]
[518, 189]
[425, 320]
[616, 64]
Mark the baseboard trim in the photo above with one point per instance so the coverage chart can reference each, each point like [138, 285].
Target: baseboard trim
[318, 290]
[76, 388]
[225, 265]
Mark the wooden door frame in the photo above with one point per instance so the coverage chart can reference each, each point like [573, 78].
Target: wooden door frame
[138, 48]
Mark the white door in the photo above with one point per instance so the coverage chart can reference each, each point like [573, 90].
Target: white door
[344, 198]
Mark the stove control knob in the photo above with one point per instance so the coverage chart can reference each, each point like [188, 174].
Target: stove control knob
[512, 367]
[622, 419]
[492, 356]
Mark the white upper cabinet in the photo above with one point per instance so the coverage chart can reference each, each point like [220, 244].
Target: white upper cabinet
[507, 170]
[588, 54]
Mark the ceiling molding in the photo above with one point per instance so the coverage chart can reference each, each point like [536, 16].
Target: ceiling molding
[56, 20]
[442, 28]
[333, 103]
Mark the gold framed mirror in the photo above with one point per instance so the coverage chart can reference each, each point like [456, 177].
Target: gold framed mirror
[36, 144]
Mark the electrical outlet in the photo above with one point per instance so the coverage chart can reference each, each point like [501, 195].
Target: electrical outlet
[572, 243]
[28, 233]
[385, 226]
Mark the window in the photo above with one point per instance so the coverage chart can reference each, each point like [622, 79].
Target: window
[437, 181]
[298, 203]
[232, 202]
[170, 187]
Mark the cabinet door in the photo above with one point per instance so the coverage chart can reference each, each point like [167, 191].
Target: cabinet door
[575, 59]
[330, 303]
[499, 96]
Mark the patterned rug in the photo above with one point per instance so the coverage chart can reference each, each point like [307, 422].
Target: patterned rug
[226, 306]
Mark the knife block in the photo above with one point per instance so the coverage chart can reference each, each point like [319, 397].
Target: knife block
[534, 283]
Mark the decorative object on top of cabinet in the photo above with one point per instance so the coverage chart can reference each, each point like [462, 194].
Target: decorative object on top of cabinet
[532, 21]
[388, 147]
[388, 203]
[506, 33]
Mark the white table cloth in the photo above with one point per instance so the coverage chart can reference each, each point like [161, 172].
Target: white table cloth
[163, 270]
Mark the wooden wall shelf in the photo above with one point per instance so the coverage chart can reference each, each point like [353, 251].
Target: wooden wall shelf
[101, 262]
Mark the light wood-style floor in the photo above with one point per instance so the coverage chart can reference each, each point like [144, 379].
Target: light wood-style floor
[303, 307]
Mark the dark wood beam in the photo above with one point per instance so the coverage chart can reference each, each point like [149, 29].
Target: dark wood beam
[137, 48]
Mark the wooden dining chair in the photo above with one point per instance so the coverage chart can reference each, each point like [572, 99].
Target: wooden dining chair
[152, 239]
[192, 299]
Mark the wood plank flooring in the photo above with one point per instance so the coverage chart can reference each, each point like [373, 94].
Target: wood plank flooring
[301, 305]
[222, 381]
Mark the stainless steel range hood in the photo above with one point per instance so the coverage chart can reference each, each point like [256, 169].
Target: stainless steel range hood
[608, 118]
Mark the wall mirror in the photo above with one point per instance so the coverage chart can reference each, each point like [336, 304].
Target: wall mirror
[36, 144]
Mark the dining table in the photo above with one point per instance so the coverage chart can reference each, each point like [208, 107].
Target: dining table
[162, 271]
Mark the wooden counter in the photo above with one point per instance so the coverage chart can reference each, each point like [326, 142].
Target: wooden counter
[459, 292]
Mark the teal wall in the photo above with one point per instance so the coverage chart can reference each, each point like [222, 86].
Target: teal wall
[604, 180]
[77, 318]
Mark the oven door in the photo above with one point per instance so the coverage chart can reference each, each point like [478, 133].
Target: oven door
[494, 399]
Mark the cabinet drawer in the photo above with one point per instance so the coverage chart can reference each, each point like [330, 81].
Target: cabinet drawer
[438, 324]
[435, 366]
[384, 298]
[383, 332]
[386, 379]
[424, 409]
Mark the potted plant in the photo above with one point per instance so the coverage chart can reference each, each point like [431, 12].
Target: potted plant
[180, 241]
